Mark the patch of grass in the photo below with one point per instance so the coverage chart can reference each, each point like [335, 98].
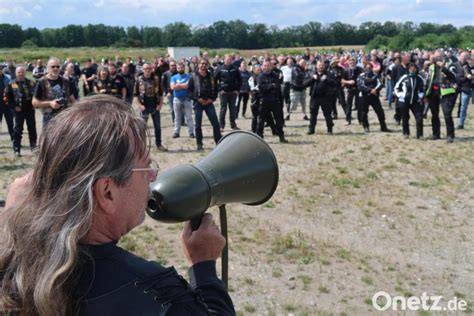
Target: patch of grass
[420, 184]
[372, 176]
[341, 170]
[404, 160]
[346, 182]
[277, 273]
[324, 261]
[306, 279]
[343, 254]
[269, 204]
[367, 280]
[249, 281]
[294, 246]
[323, 289]
[289, 307]
[249, 308]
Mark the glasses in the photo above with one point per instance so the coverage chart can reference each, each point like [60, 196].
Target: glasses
[153, 169]
[146, 68]
[54, 66]
[204, 64]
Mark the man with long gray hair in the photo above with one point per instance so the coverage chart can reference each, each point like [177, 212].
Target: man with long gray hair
[88, 188]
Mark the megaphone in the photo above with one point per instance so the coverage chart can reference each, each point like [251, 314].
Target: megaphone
[241, 169]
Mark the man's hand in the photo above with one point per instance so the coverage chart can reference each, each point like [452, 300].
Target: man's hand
[17, 109]
[55, 104]
[141, 107]
[204, 244]
[204, 101]
[373, 91]
[159, 106]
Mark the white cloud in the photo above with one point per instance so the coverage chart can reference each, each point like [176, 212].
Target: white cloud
[37, 7]
[98, 4]
[371, 11]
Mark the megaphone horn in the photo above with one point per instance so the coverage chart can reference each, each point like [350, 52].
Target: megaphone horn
[241, 169]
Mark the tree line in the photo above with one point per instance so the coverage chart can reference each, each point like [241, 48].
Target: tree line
[238, 34]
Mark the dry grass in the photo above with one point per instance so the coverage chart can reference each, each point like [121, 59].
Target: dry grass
[353, 214]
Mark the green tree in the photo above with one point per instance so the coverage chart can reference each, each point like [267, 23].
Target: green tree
[176, 34]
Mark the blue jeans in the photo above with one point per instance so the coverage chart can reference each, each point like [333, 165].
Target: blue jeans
[155, 116]
[212, 116]
[170, 104]
[464, 104]
[46, 118]
[8, 113]
[389, 91]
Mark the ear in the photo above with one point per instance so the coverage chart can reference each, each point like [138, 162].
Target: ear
[105, 193]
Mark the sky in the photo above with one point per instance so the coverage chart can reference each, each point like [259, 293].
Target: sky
[283, 13]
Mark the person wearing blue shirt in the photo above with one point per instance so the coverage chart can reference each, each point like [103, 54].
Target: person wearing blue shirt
[181, 102]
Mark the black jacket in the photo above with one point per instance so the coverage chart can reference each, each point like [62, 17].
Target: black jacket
[298, 76]
[410, 89]
[464, 83]
[323, 86]
[228, 78]
[397, 72]
[116, 282]
[165, 81]
[352, 74]
[367, 82]
[269, 87]
[202, 87]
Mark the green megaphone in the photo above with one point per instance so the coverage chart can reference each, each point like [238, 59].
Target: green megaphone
[241, 169]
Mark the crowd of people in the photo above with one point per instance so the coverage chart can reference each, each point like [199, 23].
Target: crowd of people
[416, 81]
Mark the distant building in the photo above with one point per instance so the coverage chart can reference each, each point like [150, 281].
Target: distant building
[179, 53]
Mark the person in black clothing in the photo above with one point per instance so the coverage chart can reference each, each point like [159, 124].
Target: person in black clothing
[410, 90]
[321, 84]
[149, 96]
[103, 183]
[244, 90]
[398, 71]
[337, 72]
[118, 82]
[103, 84]
[89, 74]
[52, 92]
[255, 96]
[349, 81]
[369, 86]
[228, 81]
[297, 88]
[165, 86]
[204, 94]
[19, 95]
[129, 81]
[5, 110]
[39, 71]
[270, 101]
[69, 74]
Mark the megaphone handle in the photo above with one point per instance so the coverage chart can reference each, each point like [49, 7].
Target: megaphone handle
[196, 222]
[225, 251]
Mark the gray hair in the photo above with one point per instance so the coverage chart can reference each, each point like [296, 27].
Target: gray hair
[98, 137]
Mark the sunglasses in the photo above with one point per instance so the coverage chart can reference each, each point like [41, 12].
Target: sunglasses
[54, 66]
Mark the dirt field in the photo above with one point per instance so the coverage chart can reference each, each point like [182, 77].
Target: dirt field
[353, 214]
